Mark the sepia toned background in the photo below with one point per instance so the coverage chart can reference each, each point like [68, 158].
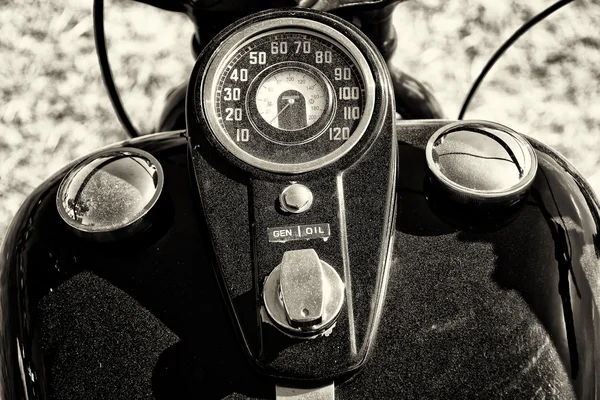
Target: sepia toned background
[53, 106]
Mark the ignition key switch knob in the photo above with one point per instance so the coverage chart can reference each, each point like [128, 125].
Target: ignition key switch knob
[303, 295]
[296, 199]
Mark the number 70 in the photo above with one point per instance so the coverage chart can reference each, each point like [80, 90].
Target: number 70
[302, 46]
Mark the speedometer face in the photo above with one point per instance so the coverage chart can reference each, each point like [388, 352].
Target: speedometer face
[288, 97]
[290, 103]
[291, 99]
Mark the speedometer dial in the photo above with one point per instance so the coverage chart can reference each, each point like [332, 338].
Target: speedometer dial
[291, 99]
[290, 103]
[288, 99]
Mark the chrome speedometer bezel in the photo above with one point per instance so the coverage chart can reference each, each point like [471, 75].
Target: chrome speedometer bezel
[223, 55]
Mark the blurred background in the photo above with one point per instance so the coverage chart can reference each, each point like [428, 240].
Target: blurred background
[53, 106]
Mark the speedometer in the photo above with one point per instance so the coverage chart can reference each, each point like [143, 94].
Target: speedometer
[293, 104]
[288, 95]
[292, 99]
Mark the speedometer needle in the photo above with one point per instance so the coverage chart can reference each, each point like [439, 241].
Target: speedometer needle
[290, 102]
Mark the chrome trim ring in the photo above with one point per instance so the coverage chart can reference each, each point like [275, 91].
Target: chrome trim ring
[104, 199]
[529, 157]
[230, 45]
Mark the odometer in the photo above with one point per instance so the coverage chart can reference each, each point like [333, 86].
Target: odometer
[288, 99]
[291, 99]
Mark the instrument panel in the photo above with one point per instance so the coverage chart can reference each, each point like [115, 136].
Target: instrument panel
[288, 95]
[291, 126]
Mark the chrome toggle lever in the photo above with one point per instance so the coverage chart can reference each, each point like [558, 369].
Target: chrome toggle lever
[301, 286]
[303, 295]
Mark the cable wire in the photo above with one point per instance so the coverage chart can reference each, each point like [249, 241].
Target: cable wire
[113, 93]
[515, 36]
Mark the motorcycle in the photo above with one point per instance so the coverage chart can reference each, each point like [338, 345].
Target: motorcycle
[306, 224]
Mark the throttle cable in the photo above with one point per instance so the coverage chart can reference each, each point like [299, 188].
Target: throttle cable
[109, 83]
[100, 42]
[509, 42]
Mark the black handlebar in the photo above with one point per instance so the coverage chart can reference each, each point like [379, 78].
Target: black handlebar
[193, 7]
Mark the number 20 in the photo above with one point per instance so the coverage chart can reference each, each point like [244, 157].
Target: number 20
[233, 114]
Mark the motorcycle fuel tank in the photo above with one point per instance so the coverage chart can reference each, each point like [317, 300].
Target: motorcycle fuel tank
[297, 241]
[504, 312]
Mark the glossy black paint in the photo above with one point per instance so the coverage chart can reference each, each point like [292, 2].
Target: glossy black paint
[535, 281]
[240, 204]
[38, 254]
[413, 99]
[172, 117]
[503, 314]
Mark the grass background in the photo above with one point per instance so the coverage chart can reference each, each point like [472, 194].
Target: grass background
[53, 106]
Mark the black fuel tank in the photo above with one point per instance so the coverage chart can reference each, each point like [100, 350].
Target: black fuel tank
[505, 313]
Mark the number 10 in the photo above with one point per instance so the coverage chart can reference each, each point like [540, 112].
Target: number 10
[242, 135]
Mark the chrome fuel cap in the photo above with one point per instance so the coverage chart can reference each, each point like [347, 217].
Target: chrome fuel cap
[108, 195]
[480, 161]
[303, 295]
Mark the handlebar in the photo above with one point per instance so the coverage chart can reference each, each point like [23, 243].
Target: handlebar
[194, 7]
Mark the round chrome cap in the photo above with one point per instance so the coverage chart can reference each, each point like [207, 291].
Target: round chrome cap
[481, 161]
[107, 195]
[303, 295]
[296, 199]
